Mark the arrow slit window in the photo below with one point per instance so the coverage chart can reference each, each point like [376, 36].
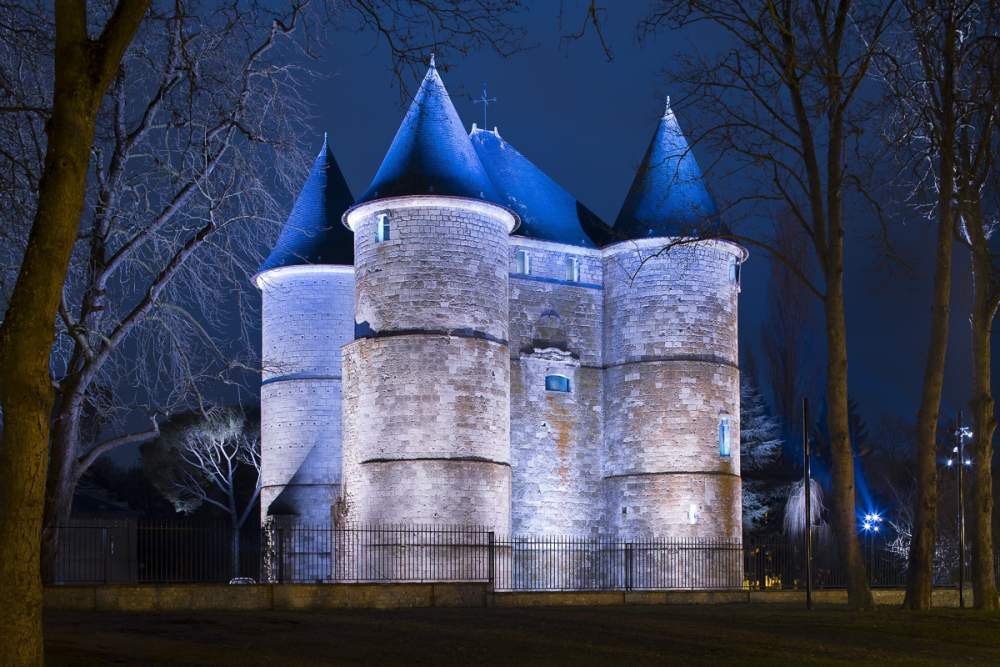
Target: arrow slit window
[724, 437]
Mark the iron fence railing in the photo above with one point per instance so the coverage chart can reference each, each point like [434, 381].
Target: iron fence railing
[172, 551]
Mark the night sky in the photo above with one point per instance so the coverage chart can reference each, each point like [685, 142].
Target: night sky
[587, 122]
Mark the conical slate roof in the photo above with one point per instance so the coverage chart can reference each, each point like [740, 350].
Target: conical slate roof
[431, 153]
[313, 233]
[668, 196]
[547, 211]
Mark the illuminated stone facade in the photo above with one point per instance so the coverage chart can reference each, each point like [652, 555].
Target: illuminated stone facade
[493, 355]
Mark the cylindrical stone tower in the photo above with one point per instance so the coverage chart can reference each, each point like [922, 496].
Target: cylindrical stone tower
[307, 290]
[672, 466]
[427, 381]
[672, 391]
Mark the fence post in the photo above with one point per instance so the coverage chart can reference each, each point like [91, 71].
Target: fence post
[761, 563]
[281, 556]
[628, 566]
[491, 537]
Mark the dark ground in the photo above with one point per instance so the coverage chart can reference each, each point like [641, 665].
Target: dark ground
[662, 635]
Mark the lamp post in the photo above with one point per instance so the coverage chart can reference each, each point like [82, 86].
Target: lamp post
[961, 433]
[807, 493]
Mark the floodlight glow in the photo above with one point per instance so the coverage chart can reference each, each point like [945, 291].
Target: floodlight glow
[968, 462]
[949, 463]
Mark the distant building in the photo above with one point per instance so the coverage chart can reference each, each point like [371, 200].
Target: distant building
[467, 344]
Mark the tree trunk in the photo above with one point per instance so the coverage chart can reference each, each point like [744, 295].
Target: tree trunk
[235, 551]
[984, 587]
[83, 70]
[921, 560]
[858, 594]
[25, 344]
[60, 485]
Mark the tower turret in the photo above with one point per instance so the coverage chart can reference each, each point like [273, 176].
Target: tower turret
[307, 287]
[670, 353]
[427, 378]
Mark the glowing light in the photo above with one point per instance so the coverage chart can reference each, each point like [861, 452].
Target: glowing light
[968, 462]
[949, 462]
[871, 521]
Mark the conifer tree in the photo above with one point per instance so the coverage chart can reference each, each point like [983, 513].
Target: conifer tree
[760, 454]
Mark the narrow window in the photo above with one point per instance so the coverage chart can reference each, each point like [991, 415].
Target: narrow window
[556, 383]
[522, 262]
[724, 447]
[573, 269]
[382, 230]
[692, 514]
[734, 271]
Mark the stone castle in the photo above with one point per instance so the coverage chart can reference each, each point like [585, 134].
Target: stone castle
[467, 344]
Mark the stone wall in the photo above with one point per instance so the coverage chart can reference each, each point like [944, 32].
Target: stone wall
[555, 328]
[307, 317]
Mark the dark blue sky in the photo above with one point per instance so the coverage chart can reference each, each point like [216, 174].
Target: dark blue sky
[587, 122]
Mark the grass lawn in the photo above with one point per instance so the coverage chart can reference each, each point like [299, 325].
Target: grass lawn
[662, 635]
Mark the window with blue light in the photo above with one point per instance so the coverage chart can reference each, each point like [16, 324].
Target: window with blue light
[734, 271]
[522, 262]
[557, 383]
[573, 269]
[724, 437]
[382, 228]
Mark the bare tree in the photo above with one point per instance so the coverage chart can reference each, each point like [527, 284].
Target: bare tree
[923, 74]
[83, 67]
[195, 141]
[201, 462]
[199, 138]
[203, 120]
[979, 203]
[781, 107]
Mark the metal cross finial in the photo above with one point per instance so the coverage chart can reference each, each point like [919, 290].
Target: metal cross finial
[485, 100]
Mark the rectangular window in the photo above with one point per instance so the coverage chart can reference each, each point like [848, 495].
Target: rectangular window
[382, 229]
[556, 383]
[692, 514]
[522, 262]
[734, 271]
[573, 269]
[724, 446]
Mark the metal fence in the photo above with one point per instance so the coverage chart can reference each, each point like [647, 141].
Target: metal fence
[138, 551]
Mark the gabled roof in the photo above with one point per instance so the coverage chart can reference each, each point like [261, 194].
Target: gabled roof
[668, 196]
[313, 233]
[547, 211]
[431, 153]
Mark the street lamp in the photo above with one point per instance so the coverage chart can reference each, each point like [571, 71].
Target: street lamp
[961, 433]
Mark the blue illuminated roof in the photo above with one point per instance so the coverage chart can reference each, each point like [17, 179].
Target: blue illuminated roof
[668, 196]
[431, 153]
[547, 211]
[313, 233]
